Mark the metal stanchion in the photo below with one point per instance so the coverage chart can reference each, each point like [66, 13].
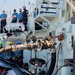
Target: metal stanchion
[74, 56]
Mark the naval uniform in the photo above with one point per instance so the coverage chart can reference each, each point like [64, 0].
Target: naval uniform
[14, 19]
[3, 21]
[20, 17]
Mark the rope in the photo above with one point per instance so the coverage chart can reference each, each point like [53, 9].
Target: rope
[2, 4]
[57, 54]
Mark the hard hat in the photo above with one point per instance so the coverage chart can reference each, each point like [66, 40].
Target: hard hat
[1, 43]
[18, 42]
[10, 43]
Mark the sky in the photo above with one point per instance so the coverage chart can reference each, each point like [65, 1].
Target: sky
[9, 5]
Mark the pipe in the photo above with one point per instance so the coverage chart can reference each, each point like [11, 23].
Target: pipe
[74, 56]
[44, 45]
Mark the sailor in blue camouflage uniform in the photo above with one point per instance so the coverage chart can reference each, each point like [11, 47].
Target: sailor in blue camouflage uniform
[3, 18]
[14, 16]
[20, 17]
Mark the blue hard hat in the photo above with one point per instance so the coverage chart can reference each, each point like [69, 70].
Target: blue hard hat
[18, 42]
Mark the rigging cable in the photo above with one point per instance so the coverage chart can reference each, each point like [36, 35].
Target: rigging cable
[2, 4]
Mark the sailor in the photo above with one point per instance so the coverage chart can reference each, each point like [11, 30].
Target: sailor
[3, 17]
[8, 54]
[14, 16]
[16, 56]
[11, 54]
[35, 12]
[19, 55]
[25, 17]
[1, 46]
[20, 15]
[18, 52]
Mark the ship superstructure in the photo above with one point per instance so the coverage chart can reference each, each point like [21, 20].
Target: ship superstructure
[49, 21]
[57, 16]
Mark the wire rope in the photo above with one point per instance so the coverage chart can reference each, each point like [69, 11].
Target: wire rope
[3, 4]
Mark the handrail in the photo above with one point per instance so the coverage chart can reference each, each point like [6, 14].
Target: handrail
[53, 4]
[70, 4]
[39, 2]
[36, 4]
[62, 24]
